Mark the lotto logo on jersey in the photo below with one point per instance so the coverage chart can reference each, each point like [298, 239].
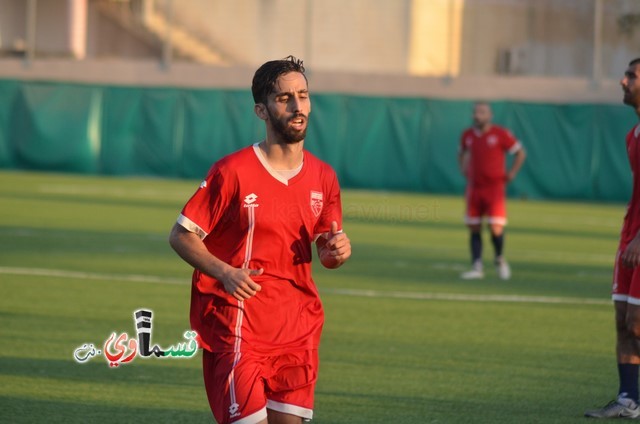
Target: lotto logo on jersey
[249, 201]
[316, 202]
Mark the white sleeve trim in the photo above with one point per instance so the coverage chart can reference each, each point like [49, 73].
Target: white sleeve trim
[191, 226]
[515, 148]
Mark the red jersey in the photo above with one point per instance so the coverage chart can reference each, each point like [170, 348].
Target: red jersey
[631, 224]
[251, 217]
[487, 164]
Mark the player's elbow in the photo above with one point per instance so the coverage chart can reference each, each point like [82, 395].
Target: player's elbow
[522, 153]
[175, 237]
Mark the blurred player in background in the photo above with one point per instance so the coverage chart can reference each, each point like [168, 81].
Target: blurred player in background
[248, 232]
[626, 274]
[483, 148]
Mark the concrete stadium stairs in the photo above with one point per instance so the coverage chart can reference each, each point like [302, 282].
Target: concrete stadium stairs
[155, 29]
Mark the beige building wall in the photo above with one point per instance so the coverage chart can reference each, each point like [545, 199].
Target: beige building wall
[381, 37]
[435, 37]
[546, 37]
[369, 36]
[351, 35]
[246, 31]
[52, 38]
[12, 24]
[488, 28]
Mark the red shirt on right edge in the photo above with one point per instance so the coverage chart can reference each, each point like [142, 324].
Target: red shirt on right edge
[487, 163]
[631, 223]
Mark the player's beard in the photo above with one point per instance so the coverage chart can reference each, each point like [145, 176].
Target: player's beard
[286, 133]
[481, 124]
[629, 99]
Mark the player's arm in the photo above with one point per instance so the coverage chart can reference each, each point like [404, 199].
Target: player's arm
[191, 248]
[463, 161]
[519, 156]
[333, 249]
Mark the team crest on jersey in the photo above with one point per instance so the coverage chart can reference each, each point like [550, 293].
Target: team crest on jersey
[316, 202]
[492, 140]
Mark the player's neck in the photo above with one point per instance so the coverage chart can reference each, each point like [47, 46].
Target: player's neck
[282, 155]
[483, 128]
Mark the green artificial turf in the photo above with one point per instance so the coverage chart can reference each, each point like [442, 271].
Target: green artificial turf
[405, 339]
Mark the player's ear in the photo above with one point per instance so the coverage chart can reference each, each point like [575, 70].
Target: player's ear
[260, 110]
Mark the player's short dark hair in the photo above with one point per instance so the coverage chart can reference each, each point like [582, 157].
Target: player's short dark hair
[634, 61]
[264, 80]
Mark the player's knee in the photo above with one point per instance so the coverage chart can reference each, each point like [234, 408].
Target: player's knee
[633, 328]
[622, 326]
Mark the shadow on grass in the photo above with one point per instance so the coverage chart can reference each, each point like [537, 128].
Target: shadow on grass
[28, 410]
[139, 372]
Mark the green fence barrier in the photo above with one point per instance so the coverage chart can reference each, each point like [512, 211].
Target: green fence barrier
[575, 151]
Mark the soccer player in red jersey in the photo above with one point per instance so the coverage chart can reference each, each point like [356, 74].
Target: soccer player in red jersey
[626, 274]
[481, 156]
[248, 232]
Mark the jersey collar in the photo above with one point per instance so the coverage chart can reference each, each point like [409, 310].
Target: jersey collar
[275, 174]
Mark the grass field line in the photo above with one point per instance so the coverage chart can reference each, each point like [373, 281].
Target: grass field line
[469, 297]
[82, 275]
[460, 297]
[83, 190]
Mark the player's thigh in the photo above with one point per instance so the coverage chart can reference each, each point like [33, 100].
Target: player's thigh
[620, 308]
[277, 417]
[474, 207]
[496, 205]
[626, 291]
[234, 386]
[623, 278]
[291, 383]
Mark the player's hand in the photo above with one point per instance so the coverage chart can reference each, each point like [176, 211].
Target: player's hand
[337, 248]
[510, 176]
[238, 283]
[631, 255]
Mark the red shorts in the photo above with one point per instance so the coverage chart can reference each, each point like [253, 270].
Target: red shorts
[487, 201]
[241, 386]
[626, 281]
